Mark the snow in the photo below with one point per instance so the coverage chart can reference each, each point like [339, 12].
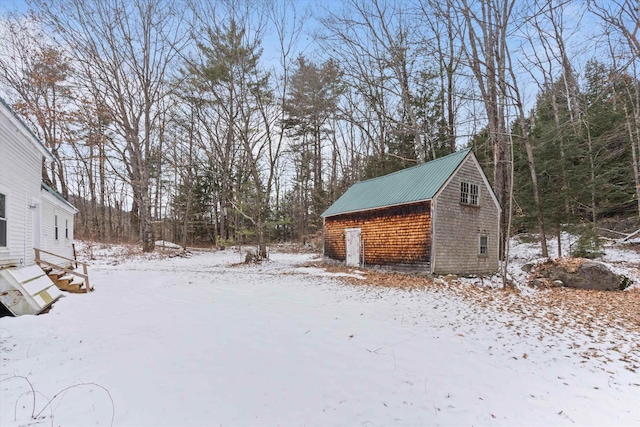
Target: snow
[619, 258]
[168, 245]
[206, 340]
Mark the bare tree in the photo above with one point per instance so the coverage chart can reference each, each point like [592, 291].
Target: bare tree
[440, 27]
[485, 26]
[125, 50]
[374, 42]
[241, 105]
[550, 64]
[621, 15]
[632, 116]
[37, 72]
[522, 119]
[311, 105]
[622, 18]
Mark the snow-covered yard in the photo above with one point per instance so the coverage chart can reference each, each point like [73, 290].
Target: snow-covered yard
[201, 341]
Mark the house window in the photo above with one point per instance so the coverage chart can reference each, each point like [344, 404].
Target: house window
[66, 228]
[468, 193]
[55, 226]
[3, 220]
[483, 245]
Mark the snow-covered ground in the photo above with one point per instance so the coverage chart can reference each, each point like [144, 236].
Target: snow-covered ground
[620, 259]
[203, 341]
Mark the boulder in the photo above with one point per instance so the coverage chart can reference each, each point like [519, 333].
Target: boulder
[528, 267]
[538, 283]
[586, 275]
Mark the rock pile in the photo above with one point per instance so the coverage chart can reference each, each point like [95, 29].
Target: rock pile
[577, 273]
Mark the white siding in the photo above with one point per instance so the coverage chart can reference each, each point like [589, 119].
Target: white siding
[20, 178]
[52, 207]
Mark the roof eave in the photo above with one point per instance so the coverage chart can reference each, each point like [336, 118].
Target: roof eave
[58, 197]
[377, 207]
[427, 195]
[27, 132]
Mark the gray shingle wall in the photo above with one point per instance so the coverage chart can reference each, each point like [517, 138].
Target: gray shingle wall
[457, 227]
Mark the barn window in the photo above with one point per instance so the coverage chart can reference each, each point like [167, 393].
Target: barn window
[3, 220]
[66, 228]
[483, 245]
[468, 193]
[55, 226]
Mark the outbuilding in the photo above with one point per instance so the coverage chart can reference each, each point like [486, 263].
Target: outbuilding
[439, 217]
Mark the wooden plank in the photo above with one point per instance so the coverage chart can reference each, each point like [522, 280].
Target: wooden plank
[67, 270]
[77, 281]
[75, 261]
[35, 286]
[74, 289]
[28, 297]
[25, 274]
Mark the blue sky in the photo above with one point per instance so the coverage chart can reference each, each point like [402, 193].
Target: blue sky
[12, 5]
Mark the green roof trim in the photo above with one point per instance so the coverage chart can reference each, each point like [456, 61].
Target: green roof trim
[414, 184]
[57, 195]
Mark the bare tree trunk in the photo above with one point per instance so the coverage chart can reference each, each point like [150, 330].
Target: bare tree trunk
[103, 202]
[637, 116]
[559, 240]
[530, 159]
[92, 192]
[485, 48]
[568, 76]
[634, 155]
[564, 186]
[555, 53]
[592, 174]
[159, 158]
[124, 49]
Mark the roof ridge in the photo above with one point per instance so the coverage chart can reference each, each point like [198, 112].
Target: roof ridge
[414, 167]
[417, 183]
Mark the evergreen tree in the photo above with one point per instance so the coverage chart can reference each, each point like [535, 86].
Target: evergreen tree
[310, 106]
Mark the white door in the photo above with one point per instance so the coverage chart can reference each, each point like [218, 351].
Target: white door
[352, 236]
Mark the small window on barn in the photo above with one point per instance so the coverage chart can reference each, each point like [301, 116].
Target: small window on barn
[464, 192]
[55, 226]
[66, 228]
[473, 195]
[3, 220]
[483, 245]
[469, 193]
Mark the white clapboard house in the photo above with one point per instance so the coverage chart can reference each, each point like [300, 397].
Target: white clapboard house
[36, 223]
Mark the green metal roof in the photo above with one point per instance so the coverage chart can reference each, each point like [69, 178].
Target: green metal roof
[409, 185]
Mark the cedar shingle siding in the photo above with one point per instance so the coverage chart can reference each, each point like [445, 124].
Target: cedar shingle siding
[458, 227]
[394, 235]
[417, 218]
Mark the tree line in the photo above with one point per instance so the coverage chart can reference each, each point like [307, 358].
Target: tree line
[243, 120]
